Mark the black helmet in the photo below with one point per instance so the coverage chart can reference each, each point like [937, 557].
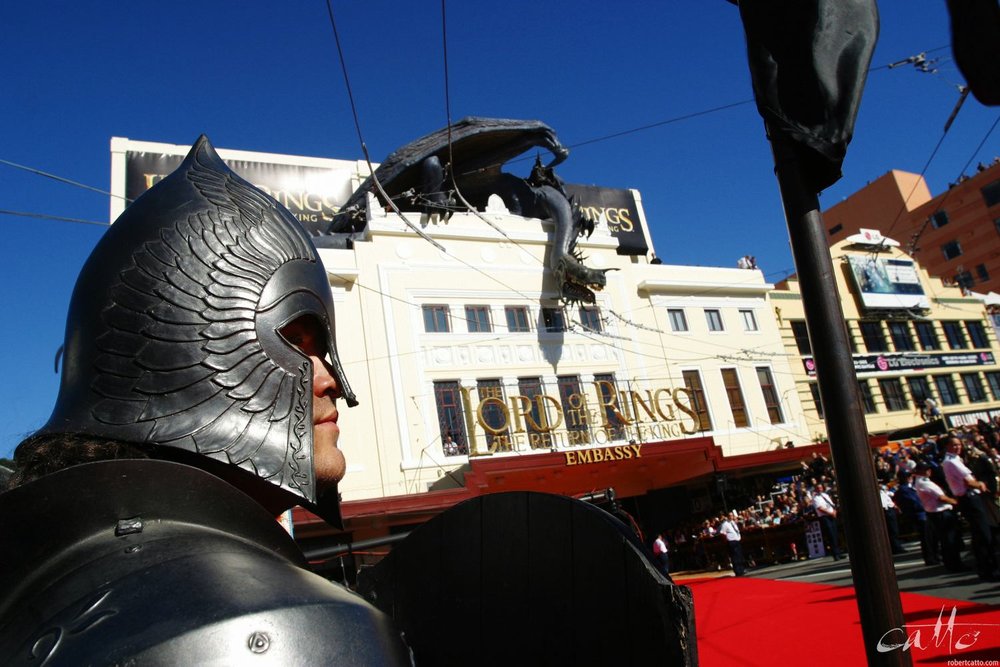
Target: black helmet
[173, 340]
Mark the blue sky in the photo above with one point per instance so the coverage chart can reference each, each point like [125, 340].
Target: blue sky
[267, 78]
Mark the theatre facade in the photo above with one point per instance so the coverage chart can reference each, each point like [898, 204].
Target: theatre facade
[474, 377]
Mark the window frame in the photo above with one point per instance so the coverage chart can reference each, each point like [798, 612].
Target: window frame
[717, 325]
[473, 321]
[899, 330]
[973, 384]
[800, 332]
[590, 314]
[682, 322]
[513, 314]
[993, 382]
[954, 334]
[431, 313]
[945, 385]
[951, 250]
[616, 427]
[566, 385]
[737, 400]
[493, 388]
[927, 335]
[873, 335]
[531, 387]
[450, 415]
[894, 398]
[548, 319]
[978, 337]
[772, 401]
[868, 404]
[694, 385]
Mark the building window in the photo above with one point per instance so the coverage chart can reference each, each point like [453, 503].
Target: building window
[608, 389]
[436, 319]
[451, 422]
[946, 389]
[977, 333]
[867, 399]
[927, 336]
[955, 336]
[677, 320]
[771, 399]
[991, 193]
[817, 401]
[478, 318]
[920, 389]
[554, 320]
[892, 392]
[536, 421]
[517, 319]
[494, 414]
[590, 318]
[749, 321]
[801, 336]
[714, 319]
[973, 387]
[993, 379]
[982, 273]
[902, 339]
[951, 249]
[939, 219]
[574, 409]
[692, 382]
[871, 333]
[736, 403]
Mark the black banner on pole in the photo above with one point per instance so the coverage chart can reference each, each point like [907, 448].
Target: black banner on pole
[808, 62]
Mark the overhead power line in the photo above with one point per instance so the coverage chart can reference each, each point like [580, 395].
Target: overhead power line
[43, 216]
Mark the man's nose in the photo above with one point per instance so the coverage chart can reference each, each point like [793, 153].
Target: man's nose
[323, 381]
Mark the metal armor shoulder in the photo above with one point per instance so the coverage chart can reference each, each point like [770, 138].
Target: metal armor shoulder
[154, 562]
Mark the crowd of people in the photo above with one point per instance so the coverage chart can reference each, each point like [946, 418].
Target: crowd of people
[933, 489]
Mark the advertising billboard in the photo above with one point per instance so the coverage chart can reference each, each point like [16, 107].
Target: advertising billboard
[314, 189]
[887, 283]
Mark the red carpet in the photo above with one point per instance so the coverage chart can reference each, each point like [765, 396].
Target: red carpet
[748, 621]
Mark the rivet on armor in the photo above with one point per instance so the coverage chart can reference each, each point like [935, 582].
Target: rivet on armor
[259, 642]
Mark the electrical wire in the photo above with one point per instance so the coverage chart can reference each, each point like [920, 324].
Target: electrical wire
[45, 216]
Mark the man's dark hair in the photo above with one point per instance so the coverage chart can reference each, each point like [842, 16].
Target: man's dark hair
[45, 453]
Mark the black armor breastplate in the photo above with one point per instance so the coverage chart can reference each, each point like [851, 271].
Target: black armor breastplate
[153, 562]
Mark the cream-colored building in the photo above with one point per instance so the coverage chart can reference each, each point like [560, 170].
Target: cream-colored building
[472, 376]
[457, 341]
[914, 337]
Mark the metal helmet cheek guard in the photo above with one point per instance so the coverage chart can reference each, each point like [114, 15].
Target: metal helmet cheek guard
[173, 334]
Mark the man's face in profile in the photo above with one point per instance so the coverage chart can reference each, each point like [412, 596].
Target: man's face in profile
[307, 335]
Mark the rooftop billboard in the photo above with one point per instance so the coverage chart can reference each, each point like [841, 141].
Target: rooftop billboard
[887, 283]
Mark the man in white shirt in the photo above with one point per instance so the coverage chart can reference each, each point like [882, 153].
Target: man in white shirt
[661, 554]
[969, 492]
[942, 520]
[731, 532]
[827, 513]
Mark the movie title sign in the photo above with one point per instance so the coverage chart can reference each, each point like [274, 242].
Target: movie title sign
[601, 415]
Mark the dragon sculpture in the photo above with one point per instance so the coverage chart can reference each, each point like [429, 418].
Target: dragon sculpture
[461, 166]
